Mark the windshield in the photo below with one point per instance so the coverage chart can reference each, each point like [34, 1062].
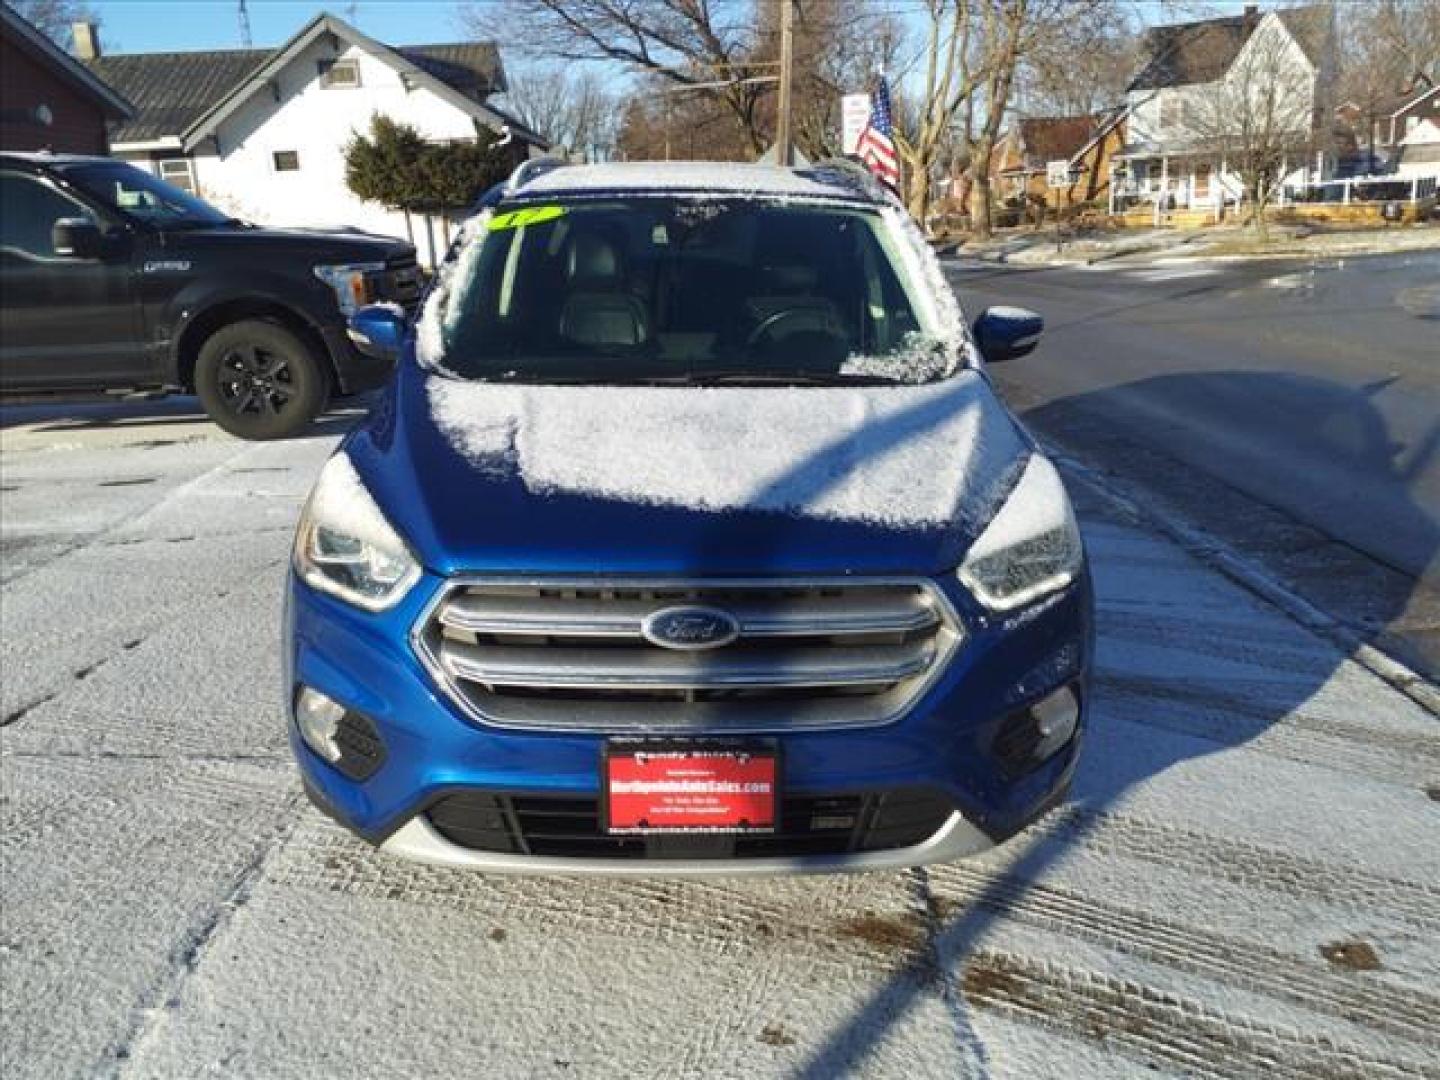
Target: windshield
[144, 196]
[673, 289]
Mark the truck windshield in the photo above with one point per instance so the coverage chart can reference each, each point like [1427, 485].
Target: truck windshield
[668, 289]
[143, 196]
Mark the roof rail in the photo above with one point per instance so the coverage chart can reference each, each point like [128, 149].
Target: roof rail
[530, 169]
[857, 173]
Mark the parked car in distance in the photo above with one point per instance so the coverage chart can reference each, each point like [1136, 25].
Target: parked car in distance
[690, 537]
[113, 280]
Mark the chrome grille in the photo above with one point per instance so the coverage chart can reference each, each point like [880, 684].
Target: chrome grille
[569, 654]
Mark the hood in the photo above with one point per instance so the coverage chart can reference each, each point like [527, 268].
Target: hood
[773, 480]
[318, 244]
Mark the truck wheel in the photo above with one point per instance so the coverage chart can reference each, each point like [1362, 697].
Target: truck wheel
[258, 380]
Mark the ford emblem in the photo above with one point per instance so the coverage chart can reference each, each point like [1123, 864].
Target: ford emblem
[690, 628]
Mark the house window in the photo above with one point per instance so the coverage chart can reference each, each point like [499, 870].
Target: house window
[1176, 112]
[339, 72]
[286, 160]
[180, 172]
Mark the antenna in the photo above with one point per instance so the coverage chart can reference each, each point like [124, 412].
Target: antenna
[245, 37]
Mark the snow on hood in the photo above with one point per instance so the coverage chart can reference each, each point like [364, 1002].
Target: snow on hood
[904, 457]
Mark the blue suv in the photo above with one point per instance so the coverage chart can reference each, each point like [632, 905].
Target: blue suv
[690, 537]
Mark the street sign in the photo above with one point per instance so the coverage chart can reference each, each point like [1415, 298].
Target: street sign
[1058, 174]
[854, 115]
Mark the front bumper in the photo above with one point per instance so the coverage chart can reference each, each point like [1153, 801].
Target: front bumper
[418, 840]
[946, 742]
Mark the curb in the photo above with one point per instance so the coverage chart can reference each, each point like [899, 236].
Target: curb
[1225, 560]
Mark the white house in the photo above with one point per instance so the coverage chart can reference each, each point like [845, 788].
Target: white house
[1420, 153]
[261, 132]
[1191, 73]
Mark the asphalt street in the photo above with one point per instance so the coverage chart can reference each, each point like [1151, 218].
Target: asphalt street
[1291, 407]
[1244, 882]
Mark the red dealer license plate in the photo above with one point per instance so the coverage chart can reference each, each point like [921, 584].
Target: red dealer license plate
[658, 787]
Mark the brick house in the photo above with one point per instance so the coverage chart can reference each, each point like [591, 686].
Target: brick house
[49, 101]
[1036, 147]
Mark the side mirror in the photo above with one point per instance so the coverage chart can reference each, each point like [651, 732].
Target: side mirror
[378, 330]
[1003, 333]
[75, 238]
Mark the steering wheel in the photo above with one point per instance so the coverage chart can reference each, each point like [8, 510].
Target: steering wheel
[770, 322]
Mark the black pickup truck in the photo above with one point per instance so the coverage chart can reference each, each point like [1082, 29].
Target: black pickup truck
[113, 280]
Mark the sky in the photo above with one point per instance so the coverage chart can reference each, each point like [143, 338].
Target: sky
[169, 25]
[165, 25]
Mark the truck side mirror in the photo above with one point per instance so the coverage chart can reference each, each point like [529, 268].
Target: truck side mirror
[75, 238]
[378, 330]
[1003, 333]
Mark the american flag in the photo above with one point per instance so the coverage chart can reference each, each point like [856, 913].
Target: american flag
[877, 142]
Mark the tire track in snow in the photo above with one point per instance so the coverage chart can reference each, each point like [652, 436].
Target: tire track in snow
[1408, 1014]
[1220, 639]
[1388, 757]
[1166, 1029]
[1246, 864]
[1248, 704]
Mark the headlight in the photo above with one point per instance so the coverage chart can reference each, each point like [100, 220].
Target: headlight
[1031, 548]
[351, 283]
[345, 547]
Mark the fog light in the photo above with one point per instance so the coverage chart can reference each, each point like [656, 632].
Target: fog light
[318, 718]
[1055, 718]
[1026, 739]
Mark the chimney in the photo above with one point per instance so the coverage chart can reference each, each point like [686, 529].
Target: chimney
[1252, 15]
[87, 40]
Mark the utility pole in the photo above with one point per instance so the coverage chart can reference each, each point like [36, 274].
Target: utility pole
[245, 38]
[783, 138]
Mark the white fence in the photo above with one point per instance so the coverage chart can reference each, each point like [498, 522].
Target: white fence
[1386, 187]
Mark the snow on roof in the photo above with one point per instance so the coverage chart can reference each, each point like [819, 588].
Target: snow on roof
[907, 457]
[710, 177]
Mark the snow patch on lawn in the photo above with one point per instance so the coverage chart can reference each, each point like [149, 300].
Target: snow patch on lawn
[900, 456]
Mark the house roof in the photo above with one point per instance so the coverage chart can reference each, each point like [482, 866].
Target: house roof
[25, 37]
[173, 89]
[1196, 52]
[1044, 139]
[185, 95]
[1310, 27]
[1183, 54]
[1410, 101]
[1053, 138]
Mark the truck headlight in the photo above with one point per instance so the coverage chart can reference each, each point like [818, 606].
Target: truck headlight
[1031, 548]
[345, 547]
[351, 283]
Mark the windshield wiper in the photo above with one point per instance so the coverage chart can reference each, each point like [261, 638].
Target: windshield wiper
[761, 378]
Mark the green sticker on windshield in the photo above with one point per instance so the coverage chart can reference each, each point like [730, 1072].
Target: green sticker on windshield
[530, 215]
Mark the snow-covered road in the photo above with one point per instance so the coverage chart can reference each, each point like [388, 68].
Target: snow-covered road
[1246, 881]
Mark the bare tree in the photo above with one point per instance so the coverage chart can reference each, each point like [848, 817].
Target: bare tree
[1008, 28]
[971, 57]
[690, 43]
[571, 110]
[950, 80]
[1259, 118]
[1079, 66]
[53, 18]
[839, 44]
[1383, 44]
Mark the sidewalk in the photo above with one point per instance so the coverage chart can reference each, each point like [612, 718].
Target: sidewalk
[1045, 248]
